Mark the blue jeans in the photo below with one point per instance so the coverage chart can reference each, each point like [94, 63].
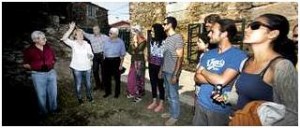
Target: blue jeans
[77, 84]
[172, 95]
[45, 85]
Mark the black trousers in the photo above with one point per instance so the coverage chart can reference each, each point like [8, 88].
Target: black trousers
[156, 82]
[98, 70]
[111, 69]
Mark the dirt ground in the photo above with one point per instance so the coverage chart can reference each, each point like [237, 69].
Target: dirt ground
[105, 111]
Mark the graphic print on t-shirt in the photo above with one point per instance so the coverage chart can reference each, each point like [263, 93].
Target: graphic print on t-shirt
[156, 50]
[213, 64]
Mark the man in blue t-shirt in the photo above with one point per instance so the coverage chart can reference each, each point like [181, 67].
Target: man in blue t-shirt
[218, 66]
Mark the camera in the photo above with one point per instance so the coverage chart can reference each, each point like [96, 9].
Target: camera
[217, 90]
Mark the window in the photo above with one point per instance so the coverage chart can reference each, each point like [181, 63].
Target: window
[91, 11]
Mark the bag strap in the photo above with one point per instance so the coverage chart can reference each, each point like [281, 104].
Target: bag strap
[262, 73]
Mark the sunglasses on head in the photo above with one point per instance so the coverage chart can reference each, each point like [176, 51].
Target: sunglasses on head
[256, 25]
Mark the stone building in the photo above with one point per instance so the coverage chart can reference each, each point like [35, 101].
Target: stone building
[87, 14]
[194, 12]
[188, 13]
[146, 13]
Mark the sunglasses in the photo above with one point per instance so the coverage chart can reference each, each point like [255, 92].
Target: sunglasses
[164, 24]
[256, 25]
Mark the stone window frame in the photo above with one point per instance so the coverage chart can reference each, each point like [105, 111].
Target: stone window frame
[91, 11]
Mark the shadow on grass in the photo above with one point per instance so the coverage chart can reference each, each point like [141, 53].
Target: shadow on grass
[109, 111]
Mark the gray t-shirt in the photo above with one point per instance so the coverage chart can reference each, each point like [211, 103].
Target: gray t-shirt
[172, 43]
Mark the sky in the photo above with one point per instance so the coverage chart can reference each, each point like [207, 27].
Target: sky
[117, 11]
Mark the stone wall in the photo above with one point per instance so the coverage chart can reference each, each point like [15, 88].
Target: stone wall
[98, 16]
[101, 17]
[194, 12]
[146, 13]
[289, 10]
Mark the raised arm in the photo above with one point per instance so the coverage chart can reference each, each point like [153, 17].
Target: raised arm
[87, 35]
[68, 33]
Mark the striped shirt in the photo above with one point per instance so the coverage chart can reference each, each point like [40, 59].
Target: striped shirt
[96, 41]
[172, 43]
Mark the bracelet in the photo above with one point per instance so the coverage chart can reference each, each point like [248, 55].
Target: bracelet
[225, 97]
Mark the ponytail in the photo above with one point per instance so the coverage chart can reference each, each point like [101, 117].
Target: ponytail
[287, 48]
[282, 44]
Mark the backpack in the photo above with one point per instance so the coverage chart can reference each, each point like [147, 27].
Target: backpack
[247, 116]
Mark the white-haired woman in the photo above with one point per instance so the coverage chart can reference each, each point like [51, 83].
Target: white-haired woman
[39, 58]
[114, 52]
[81, 62]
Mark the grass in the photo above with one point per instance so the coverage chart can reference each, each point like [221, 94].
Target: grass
[109, 111]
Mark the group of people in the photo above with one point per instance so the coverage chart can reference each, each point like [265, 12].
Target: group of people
[102, 54]
[165, 62]
[269, 74]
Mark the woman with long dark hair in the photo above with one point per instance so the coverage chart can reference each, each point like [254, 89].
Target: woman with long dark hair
[155, 62]
[269, 75]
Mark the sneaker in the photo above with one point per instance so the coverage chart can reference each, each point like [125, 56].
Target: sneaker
[129, 96]
[137, 99]
[170, 121]
[166, 115]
